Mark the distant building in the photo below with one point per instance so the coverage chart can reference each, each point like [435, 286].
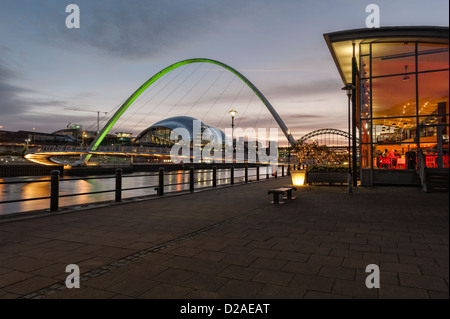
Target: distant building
[159, 133]
[36, 138]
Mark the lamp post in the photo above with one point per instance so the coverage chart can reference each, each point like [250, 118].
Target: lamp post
[233, 113]
[289, 155]
[349, 88]
[34, 132]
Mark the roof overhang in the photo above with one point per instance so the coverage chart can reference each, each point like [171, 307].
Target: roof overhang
[340, 43]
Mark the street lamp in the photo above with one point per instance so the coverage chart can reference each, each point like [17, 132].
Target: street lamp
[289, 155]
[233, 113]
[82, 138]
[34, 132]
[349, 88]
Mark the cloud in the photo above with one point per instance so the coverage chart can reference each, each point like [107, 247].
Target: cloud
[10, 100]
[315, 88]
[136, 29]
[21, 107]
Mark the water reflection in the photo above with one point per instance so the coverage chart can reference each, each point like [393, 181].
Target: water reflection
[175, 181]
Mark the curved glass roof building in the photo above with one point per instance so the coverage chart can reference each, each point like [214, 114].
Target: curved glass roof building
[160, 132]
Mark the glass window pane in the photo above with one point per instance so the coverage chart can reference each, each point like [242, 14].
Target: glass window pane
[433, 93]
[365, 131]
[393, 156]
[365, 48]
[365, 98]
[394, 96]
[393, 58]
[394, 130]
[365, 156]
[365, 66]
[432, 57]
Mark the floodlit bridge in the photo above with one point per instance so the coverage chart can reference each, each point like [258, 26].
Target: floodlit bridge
[332, 138]
[47, 156]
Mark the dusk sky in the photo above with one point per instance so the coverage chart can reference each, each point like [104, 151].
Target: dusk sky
[47, 69]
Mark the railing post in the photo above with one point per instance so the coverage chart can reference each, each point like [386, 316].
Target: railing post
[276, 171]
[214, 172]
[232, 175]
[257, 172]
[54, 191]
[191, 179]
[267, 172]
[246, 174]
[289, 170]
[161, 182]
[282, 170]
[118, 185]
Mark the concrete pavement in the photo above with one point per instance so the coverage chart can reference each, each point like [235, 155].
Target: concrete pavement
[231, 242]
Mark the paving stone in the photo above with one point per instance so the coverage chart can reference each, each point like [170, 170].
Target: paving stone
[396, 292]
[337, 272]
[239, 259]
[339, 252]
[434, 270]
[306, 268]
[310, 282]
[271, 291]
[82, 293]
[273, 277]
[29, 285]
[239, 272]
[201, 294]
[424, 282]
[12, 277]
[293, 256]
[438, 295]
[210, 255]
[311, 294]
[354, 289]
[173, 276]
[325, 260]
[133, 286]
[400, 268]
[203, 282]
[240, 289]
[268, 263]
[267, 253]
[315, 250]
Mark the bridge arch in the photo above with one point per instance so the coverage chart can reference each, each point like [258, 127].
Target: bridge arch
[172, 67]
[324, 131]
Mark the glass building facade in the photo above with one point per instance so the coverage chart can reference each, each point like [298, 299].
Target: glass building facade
[401, 99]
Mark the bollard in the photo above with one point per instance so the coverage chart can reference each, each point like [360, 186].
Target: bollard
[214, 172]
[257, 172]
[191, 179]
[54, 191]
[232, 175]
[246, 174]
[282, 170]
[161, 182]
[119, 185]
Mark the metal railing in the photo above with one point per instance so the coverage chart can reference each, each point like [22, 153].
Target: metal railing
[55, 181]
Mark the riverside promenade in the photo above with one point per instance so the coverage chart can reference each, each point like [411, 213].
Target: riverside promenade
[230, 242]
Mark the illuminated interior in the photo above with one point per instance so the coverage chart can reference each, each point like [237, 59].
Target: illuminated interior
[402, 93]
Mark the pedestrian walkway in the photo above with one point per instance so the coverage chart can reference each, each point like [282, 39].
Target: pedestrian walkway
[230, 242]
